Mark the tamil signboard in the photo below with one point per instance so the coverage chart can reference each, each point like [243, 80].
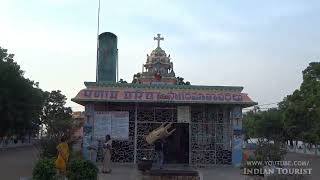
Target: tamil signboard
[114, 123]
[161, 95]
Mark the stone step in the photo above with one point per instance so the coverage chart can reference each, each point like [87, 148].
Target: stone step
[163, 174]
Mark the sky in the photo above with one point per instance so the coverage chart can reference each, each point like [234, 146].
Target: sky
[260, 45]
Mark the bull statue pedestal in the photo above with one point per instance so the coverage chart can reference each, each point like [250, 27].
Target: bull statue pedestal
[161, 132]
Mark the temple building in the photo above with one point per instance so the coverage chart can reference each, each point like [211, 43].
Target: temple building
[208, 119]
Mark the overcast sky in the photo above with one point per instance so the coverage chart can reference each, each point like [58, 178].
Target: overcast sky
[260, 45]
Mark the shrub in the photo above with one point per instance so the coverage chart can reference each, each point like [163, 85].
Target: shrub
[44, 170]
[48, 147]
[75, 155]
[82, 170]
[267, 151]
[253, 165]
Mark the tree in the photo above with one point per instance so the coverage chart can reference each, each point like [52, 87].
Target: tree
[301, 110]
[297, 118]
[249, 125]
[57, 120]
[21, 99]
[122, 81]
[268, 127]
[180, 81]
[264, 124]
[310, 91]
[295, 121]
[136, 77]
[55, 116]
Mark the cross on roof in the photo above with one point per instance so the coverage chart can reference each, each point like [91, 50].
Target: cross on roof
[158, 38]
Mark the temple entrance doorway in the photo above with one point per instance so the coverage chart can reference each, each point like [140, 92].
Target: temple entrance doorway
[176, 149]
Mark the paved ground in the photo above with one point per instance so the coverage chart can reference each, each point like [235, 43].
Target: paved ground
[314, 162]
[122, 172]
[18, 162]
[130, 172]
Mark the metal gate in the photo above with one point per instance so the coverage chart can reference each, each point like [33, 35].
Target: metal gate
[210, 132]
[210, 135]
[149, 118]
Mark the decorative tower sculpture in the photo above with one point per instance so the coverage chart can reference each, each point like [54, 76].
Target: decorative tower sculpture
[158, 68]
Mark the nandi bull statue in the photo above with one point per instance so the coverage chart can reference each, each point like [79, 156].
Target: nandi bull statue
[159, 133]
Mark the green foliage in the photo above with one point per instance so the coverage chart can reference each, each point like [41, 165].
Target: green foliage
[122, 81]
[21, 99]
[180, 81]
[82, 170]
[253, 165]
[297, 118]
[75, 154]
[24, 106]
[268, 127]
[44, 170]
[301, 110]
[55, 116]
[136, 77]
[269, 151]
[264, 124]
[48, 147]
[58, 122]
[249, 125]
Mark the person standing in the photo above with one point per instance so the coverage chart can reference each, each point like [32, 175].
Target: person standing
[63, 156]
[159, 147]
[107, 146]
